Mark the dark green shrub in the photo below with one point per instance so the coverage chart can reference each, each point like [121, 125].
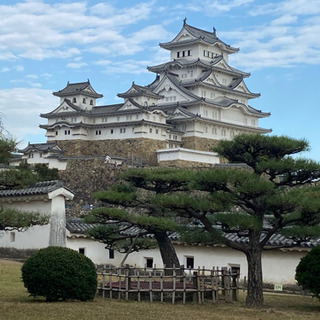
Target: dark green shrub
[308, 272]
[58, 273]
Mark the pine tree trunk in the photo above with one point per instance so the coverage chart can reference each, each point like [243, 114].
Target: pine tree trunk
[167, 251]
[255, 282]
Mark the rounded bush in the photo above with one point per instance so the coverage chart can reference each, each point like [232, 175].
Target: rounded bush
[308, 272]
[58, 273]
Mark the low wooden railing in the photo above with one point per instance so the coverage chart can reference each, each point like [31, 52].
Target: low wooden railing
[169, 284]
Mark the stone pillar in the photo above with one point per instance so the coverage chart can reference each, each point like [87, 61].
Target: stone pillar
[58, 223]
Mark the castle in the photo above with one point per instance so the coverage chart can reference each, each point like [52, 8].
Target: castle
[196, 99]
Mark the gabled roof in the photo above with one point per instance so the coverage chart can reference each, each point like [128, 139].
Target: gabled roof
[136, 91]
[181, 113]
[232, 87]
[176, 83]
[54, 112]
[197, 35]
[41, 147]
[83, 88]
[237, 82]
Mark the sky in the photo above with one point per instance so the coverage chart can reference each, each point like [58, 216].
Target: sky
[44, 44]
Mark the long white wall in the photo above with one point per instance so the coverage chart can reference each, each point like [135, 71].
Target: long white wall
[278, 266]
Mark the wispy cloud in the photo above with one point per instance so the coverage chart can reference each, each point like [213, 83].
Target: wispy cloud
[289, 38]
[36, 30]
[28, 104]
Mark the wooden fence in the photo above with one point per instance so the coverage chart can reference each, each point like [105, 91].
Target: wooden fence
[169, 284]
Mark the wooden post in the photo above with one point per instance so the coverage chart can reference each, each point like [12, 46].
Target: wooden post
[195, 285]
[161, 286]
[110, 284]
[150, 286]
[127, 283]
[227, 285]
[138, 285]
[214, 286]
[174, 279]
[235, 277]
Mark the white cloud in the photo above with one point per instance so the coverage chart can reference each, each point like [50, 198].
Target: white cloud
[18, 68]
[32, 76]
[289, 38]
[20, 109]
[76, 65]
[36, 30]
[213, 8]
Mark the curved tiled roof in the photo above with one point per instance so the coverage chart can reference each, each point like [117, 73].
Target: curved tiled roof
[41, 147]
[70, 104]
[197, 62]
[77, 226]
[78, 88]
[199, 35]
[138, 91]
[38, 189]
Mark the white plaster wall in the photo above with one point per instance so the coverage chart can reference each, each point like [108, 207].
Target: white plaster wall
[33, 238]
[187, 155]
[36, 237]
[278, 266]
[94, 250]
[57, 164]
[30, 206]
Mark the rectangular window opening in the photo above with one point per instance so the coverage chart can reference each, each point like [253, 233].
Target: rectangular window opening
[149, 262]
[12, 236]
[190, 262]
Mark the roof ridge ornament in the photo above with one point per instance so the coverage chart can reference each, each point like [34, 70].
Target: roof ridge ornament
[184, 21]
[214, 31]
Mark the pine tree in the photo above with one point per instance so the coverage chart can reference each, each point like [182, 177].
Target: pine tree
[269, 192]
[134, 196]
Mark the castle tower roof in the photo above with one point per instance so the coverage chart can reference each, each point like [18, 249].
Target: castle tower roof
[189, 34]
[84, 88]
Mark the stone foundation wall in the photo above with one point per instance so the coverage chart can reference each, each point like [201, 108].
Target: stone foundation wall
[135, 150]
[185, 164]
[84, 177]
[197, 143]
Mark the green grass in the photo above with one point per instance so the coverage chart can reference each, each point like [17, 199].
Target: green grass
[16, 304]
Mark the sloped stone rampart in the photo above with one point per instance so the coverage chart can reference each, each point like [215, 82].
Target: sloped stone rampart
[198, 143]
[85, 177]
[139, 151]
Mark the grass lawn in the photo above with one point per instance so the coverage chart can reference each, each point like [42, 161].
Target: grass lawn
[16, 304]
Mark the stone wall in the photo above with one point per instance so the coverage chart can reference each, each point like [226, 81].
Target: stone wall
[84, 177]
[139, 151]
[198, 143]
[185, 164]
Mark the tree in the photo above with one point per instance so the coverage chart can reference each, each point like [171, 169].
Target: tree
[270, 192]
[135, 196]
[308, 272]
[11, 219]
[24, 176]
[7, 146]
[44, 173]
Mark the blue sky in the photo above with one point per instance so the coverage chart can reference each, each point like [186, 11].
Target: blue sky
[45, 44]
